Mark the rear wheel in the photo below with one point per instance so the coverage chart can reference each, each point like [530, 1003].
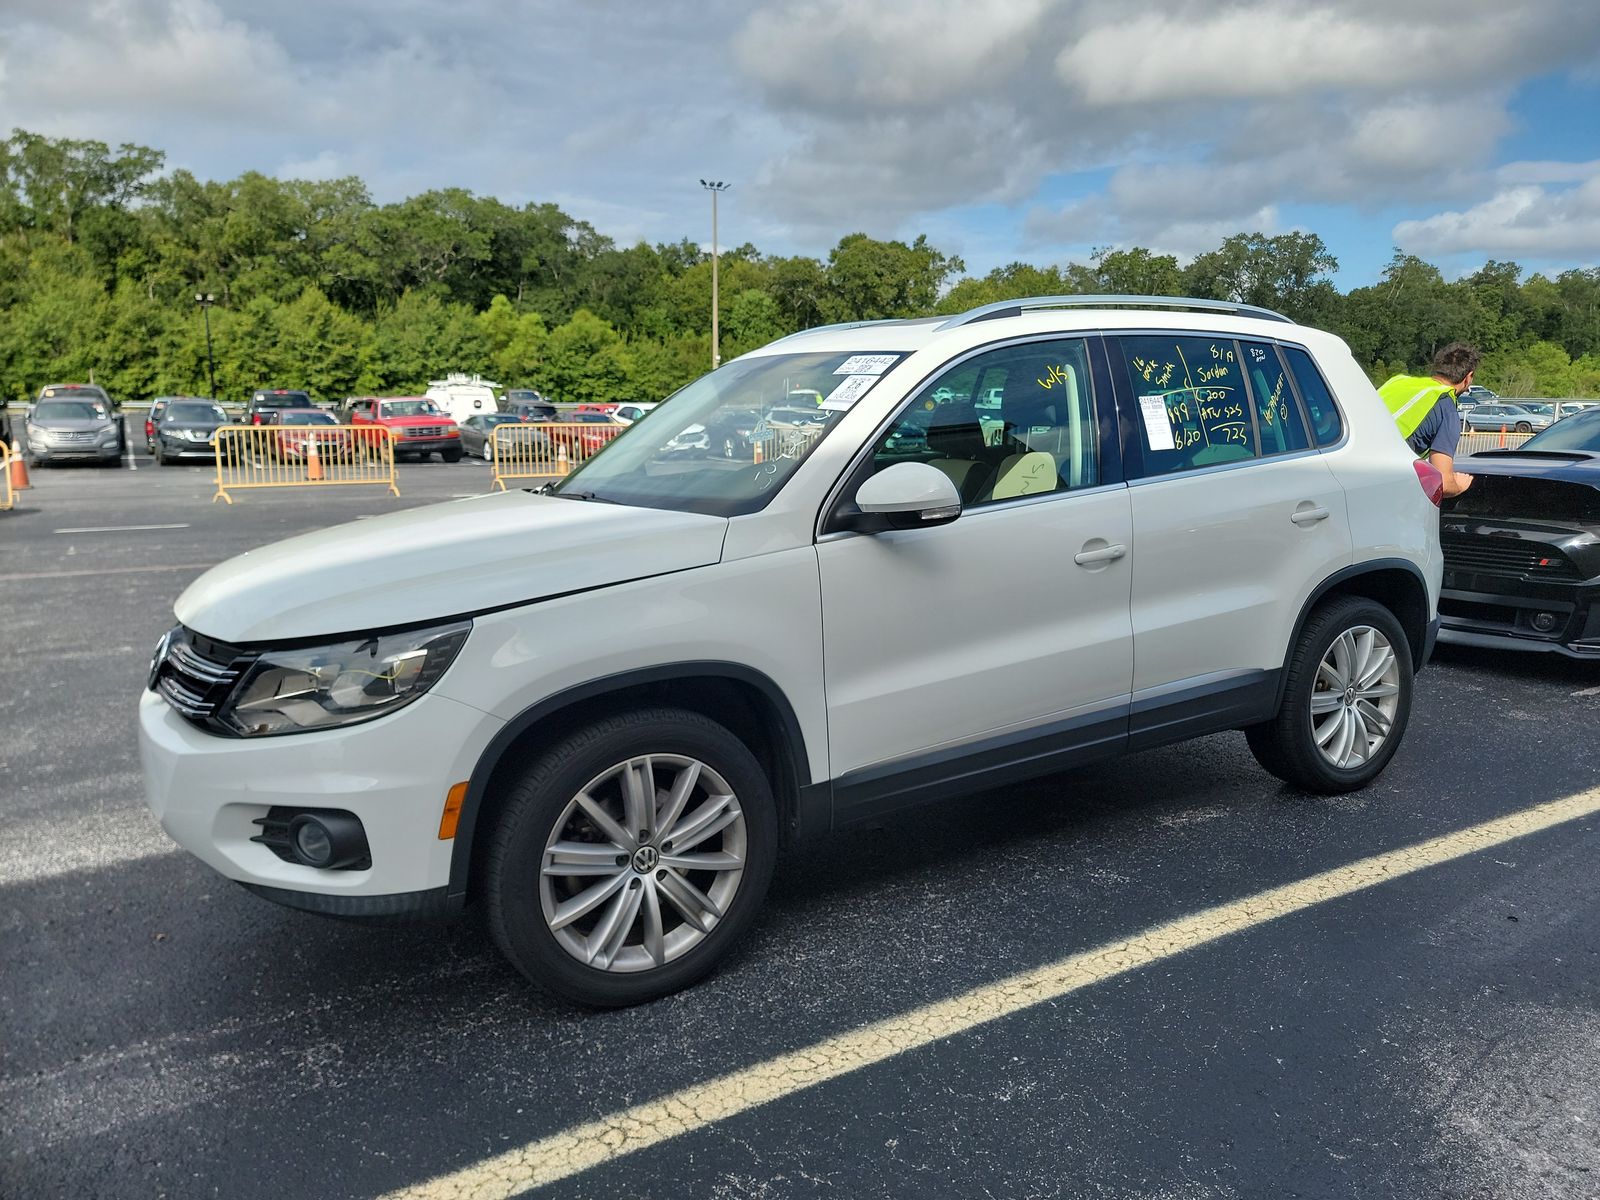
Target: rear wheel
[630, 857]
[1346, 700]
[1524, 427]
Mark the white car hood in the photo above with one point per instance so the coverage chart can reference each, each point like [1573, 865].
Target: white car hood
[442, 561]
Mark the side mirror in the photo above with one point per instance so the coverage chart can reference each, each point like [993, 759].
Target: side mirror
[905, 496]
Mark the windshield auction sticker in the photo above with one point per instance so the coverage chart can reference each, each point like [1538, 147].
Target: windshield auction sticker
[866, 364]
[847, 393]
[1157, 425]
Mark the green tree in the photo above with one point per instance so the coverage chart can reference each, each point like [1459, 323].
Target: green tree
[869, 280]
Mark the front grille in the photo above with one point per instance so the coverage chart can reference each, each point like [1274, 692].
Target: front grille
[198, 673]
[422, 431]
[1513, 558]
[71, 437]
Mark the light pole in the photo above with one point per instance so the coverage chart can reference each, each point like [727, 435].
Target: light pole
[714, 187]
[205, 300]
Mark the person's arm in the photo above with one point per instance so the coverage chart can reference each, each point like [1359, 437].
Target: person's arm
[1455, 482]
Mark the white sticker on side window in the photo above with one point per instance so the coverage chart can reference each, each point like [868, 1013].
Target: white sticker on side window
[848, 392]
[1157, 426]
[866, 364]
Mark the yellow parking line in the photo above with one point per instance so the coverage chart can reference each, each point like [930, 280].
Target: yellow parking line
[701, 1104]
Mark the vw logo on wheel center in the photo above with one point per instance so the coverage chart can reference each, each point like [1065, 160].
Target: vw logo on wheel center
[645, 859]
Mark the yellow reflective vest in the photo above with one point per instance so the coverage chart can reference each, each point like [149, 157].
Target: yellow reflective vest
[1410, 398]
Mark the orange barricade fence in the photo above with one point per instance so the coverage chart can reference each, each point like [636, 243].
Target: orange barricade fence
[546, 449]
[7, 496]
[278, 456]
[1471, 443]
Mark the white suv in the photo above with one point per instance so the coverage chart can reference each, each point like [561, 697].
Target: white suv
[1177, 520]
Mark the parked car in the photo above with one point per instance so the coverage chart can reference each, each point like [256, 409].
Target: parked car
[295, 429]
[188, 429]
[1491, 418]
[460, 396]
[384, 718]
[1522, 545]
[72, 424]
[152, 418]
[8, 433]
[477, 433]
[630, 412]
[532, 411]
[265, 400]
[727, 434]
[1565, 408]
[416, 424]
[92, 392]
[1478, 394]
[585, 431]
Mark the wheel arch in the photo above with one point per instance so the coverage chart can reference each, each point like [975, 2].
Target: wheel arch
[1395, 583]
[747, 702]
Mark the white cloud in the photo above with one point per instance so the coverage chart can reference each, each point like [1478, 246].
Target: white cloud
[1529, 222]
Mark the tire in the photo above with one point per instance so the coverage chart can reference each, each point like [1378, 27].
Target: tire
[543, 802]
[1289, 745]
[163, 461]
[450, 455]
[1524, 427]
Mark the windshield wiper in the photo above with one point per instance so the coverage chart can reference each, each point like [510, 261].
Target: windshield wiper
[583, 496]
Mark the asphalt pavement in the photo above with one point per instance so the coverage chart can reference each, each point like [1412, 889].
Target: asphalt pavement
[163, 1033]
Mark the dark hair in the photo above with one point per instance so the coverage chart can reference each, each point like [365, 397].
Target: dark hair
[1455, 361]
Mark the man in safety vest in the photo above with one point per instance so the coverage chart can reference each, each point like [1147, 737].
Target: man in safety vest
[1424, 410]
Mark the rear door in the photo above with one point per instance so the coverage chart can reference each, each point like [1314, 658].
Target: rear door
[1002, 640]
[1237, 518]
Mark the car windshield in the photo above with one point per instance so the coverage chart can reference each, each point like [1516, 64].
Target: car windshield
[307, 417]
[195, 412]
[409, 408]
[1581, 431]
[671, 461]
[284, 399]
[68, 410]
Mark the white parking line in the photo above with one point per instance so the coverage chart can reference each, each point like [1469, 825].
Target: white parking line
[119, 528]
[9, 576]
[1594, 691]
[702, 1104]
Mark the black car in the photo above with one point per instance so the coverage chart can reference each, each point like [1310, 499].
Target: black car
[1522, 545]
[528, 405]
[271, 399]
[188, 429]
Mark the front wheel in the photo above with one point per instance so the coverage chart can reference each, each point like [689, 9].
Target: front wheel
[450, 455]
[1524, 427]
[630, 857]
[1346, 700]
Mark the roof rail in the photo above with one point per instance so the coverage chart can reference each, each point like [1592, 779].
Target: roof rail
[1015, 308]
[856, 325]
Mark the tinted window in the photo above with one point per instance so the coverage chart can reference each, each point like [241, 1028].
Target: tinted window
[1280, 428]
[1036, 434]
[1326, 426]
[1192, 401]
[1578, 432]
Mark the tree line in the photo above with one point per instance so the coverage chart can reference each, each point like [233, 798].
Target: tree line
[103, 251]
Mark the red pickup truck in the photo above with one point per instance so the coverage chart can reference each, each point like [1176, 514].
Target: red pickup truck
[416, 423]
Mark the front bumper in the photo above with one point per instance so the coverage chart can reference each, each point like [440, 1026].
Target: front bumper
[425, 445]
[187, 449]
[393, 773]
[75, 453]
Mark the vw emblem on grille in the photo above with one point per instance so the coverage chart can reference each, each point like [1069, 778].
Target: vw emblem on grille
[158, 658]
[645, 859]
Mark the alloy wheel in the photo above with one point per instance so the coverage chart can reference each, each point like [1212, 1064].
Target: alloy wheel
[1356, 697]
[643, 863]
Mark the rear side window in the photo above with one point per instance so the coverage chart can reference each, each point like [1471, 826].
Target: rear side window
[1326, 425]
[1279, 425]
[1193, 404]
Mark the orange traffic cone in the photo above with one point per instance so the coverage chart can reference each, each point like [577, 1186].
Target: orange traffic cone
[19, 470]
[1502, 435]
[561, 459]
[758, 454]
[313, 460]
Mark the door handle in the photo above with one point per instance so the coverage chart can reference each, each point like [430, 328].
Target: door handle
[1309, 516]
[1087, 558]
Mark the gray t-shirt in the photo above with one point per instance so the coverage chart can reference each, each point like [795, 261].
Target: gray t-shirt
[1440, 431]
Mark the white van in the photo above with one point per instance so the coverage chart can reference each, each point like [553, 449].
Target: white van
[463, 396]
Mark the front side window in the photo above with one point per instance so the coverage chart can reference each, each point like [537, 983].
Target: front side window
[1016, 421]
[728, 442]
[1193, 406]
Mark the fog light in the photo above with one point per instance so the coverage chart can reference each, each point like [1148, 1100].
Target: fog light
[1544, 622]
[328, 841]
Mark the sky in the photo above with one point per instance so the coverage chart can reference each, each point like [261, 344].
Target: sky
[1005, 130]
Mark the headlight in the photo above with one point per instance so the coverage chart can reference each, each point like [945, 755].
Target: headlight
[292, 691]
